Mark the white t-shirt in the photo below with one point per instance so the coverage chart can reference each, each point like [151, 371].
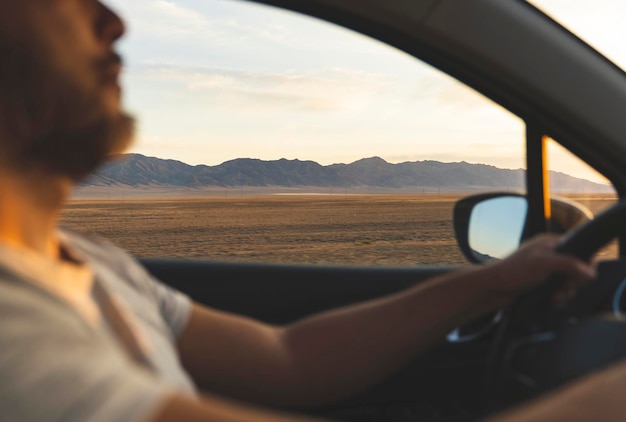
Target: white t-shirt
[61, 355]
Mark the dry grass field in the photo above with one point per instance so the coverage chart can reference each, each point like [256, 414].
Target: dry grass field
[339, 229]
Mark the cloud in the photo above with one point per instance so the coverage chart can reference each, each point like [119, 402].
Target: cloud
[178, 13]
[443, 91]
[325, 90]
[168, 22]
[163, 20]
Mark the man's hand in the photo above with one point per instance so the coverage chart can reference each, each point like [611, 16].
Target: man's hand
[534, 262]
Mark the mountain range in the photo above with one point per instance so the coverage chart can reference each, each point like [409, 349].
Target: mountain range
[139, 171]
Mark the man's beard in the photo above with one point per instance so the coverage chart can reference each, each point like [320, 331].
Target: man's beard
[50, 122]
[76, 152]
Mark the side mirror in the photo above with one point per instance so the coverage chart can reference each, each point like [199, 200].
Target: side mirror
[490, 226]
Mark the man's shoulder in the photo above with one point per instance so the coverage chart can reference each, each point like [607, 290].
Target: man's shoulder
[100, 252]
[116, 267]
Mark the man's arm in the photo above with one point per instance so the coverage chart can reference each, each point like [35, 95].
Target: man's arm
[178, 408]
[334, 354]
[592, 398]
[596, 397]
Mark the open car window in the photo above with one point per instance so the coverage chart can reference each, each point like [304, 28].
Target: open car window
[596, 196]
[292, 140]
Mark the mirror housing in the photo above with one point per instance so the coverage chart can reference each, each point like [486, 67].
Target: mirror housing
[490, 226]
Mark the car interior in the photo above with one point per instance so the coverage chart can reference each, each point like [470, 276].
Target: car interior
[513, 54]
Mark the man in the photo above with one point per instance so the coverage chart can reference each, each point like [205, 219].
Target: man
[87, 335]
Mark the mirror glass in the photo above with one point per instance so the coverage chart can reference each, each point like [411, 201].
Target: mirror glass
[496, 226]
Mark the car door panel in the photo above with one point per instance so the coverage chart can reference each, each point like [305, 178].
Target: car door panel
[439, 385]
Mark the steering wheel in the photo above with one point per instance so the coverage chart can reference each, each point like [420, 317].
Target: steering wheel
[537, 347]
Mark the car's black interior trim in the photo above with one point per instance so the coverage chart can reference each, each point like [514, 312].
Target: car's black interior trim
[536, 221]
[293, 290]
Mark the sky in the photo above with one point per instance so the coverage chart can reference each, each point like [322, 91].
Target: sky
[214, 80]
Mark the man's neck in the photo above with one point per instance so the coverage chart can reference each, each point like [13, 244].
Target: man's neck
[29, 211]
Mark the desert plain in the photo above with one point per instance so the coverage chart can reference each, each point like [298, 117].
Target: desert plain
[377, 229]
